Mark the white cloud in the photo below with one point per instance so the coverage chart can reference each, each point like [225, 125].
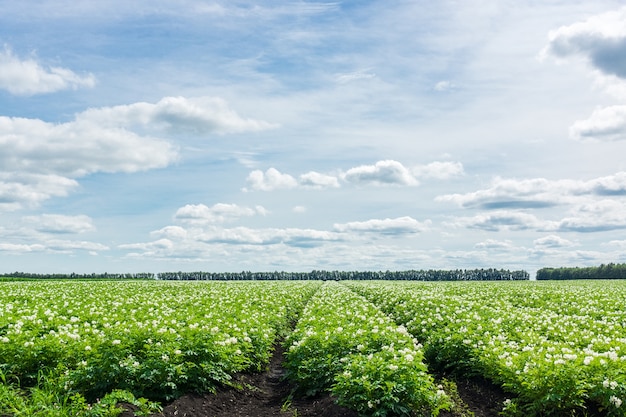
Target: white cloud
[601, 39]
[316, 180]
[596, 216]
[171, 232]
[18, 189]
[492, 244]
[70, 246]
[439, 170]
[40, 160]
[266, 236]
[553, 241]
[20, 248]
[398, 225]
[203, 115]
[161, 244]
[269, 180]
[77, 148]
[354, 76]
[509, 193]
[605, 124]
[387, 172]
[537, 193]
[621, 244]
[499, 220]
[26, 77]
[218, 213]
[61, 224]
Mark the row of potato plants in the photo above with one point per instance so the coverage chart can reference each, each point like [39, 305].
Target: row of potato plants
[156, 340]
[557, 348]
[344, 344]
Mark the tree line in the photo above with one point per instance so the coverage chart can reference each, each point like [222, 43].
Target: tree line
[28, 275]
[608, 271]
[490, 274]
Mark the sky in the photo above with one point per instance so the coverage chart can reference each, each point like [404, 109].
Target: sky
[153, 136]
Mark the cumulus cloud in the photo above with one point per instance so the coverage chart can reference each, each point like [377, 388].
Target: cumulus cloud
[596, 216]
[61, 224]
[27, 77]
[176, 115]
[492, 244]
[70, 246]
[387, 172]
[77, 148]
[271, 236]
[535, 193]
[18, 189]
[439, 170]
[40, 160]
[21, 248]
[604, 124]
[508, 193]
[269, 180]
[171, 232]
[499, 220]
[553, 241]
[314, 179]
[592, 216]
[601, 39]
[218, 213]
[399, 225]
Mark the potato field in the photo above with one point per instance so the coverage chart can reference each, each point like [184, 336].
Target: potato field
[380, 348]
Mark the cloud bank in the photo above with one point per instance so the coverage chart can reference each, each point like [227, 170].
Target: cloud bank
[382, 173]
[40, 160]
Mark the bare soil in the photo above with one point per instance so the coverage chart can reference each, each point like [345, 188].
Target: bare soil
[267, 394]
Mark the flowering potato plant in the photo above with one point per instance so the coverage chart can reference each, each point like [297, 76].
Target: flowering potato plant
[153, 339]
[345, 345]
[557, 347]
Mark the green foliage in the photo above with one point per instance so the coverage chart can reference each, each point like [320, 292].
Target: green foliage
[156, 340]
[81, 348]
[49, 399]
[346, 345]
[386, 383]
[556, 349]
[608, 271]
[489, 274]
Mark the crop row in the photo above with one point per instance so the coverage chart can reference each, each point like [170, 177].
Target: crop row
[346, 345]
[157, 340]
[556, 348]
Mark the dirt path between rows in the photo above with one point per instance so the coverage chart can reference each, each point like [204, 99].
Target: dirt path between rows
[266, 394]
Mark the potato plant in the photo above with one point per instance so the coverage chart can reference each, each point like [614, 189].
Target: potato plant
[557, 348]
[346, 345]
[157, 340]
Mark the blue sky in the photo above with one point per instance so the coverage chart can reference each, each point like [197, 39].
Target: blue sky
[262, 135]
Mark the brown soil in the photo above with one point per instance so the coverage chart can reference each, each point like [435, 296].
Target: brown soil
[267, 394]
[264, 394]
[478, 397]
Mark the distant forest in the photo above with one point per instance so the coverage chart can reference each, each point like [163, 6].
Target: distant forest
[608, 271]
[412, 275]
